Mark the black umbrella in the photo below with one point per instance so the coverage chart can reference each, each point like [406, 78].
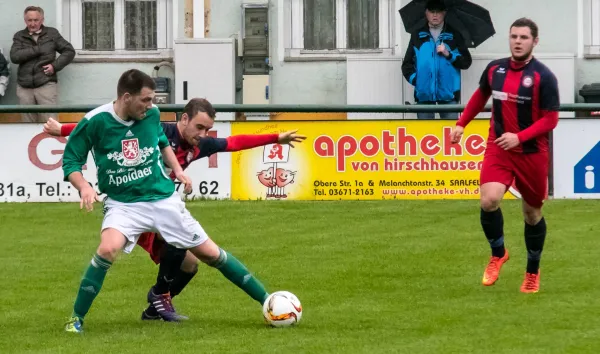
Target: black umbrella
[472, 21]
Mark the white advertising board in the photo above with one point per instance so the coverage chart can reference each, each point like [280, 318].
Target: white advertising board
[212, 176]
[31, 167]
[576, 162]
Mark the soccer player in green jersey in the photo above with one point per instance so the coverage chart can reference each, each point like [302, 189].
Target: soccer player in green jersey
[131, 152]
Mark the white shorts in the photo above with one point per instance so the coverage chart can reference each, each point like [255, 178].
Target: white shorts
[169, 217]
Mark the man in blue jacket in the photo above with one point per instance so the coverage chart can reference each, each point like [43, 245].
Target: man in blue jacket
[433, 60]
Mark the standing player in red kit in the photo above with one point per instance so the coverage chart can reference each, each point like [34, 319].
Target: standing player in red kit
[524, 111]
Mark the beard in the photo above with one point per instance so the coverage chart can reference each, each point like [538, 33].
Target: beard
[523, 57]
[136, 115]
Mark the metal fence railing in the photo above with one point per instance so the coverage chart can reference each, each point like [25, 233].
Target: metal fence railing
[247, 108]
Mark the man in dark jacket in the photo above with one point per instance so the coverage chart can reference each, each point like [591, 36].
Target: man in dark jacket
[4, 74]
[433, 60]
[34, 50]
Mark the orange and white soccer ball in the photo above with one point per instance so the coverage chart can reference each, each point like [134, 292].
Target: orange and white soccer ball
[282, 309]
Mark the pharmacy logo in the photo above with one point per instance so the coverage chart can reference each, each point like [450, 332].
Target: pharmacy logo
[586, 174]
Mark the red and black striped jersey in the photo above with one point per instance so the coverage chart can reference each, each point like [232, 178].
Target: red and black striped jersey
[207, 146]
[187, 153]
[210, 144]
[522, 95]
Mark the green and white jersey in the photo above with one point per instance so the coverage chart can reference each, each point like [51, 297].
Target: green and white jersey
[127, 154]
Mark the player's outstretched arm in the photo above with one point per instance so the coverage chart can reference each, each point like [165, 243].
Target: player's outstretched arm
[476, 104]
[55, 128]
[209, 145]
[290, 137]
[244, 142]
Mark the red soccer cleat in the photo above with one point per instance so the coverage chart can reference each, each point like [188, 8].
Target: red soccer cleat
[531, 284]
[493, 269]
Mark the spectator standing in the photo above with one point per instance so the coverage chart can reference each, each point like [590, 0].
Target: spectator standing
[34, 50]
[4, 74]
[434, 58]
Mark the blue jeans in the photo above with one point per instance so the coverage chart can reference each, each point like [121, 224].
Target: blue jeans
[431, 115]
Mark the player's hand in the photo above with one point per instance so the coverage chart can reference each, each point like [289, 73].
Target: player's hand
[291, 137]
[508, 141]
[187, 182]
[52, 127]
[88, 197]
[456, 134]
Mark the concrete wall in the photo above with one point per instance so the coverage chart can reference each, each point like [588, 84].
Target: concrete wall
[313, 82]
[96, 83]
[291, 82]
[556, 19]
[324, 82]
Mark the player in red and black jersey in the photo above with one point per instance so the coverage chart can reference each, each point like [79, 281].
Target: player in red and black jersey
[190, 142]
[524, 112]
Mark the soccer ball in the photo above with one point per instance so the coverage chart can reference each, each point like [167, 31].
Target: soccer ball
[282, 309]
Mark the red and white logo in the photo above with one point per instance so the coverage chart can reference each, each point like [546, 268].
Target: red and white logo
[131, 149]
[527, 81]
[130, 154]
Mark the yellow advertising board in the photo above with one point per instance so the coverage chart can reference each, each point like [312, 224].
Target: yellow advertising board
[362, 160]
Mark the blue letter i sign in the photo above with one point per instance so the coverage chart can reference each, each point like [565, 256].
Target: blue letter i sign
[586, 174]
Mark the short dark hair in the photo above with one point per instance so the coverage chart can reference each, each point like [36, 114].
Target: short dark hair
[196, 105]
[525, 22]
[435, 5]
[133, 81]
[34, 8]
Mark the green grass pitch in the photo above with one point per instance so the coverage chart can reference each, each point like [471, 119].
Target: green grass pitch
[373, 277]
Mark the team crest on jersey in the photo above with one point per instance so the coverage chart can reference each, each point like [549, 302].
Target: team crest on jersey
[527, 81]
[190, 156]
[131, 154]
[131, 149]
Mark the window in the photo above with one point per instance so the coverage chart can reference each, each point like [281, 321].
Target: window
[338, 27]
[592, 41]
[98, 25]
[109, 27]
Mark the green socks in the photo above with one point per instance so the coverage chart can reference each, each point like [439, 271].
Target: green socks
[237, 273]
[90, 285]
[227, 264]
